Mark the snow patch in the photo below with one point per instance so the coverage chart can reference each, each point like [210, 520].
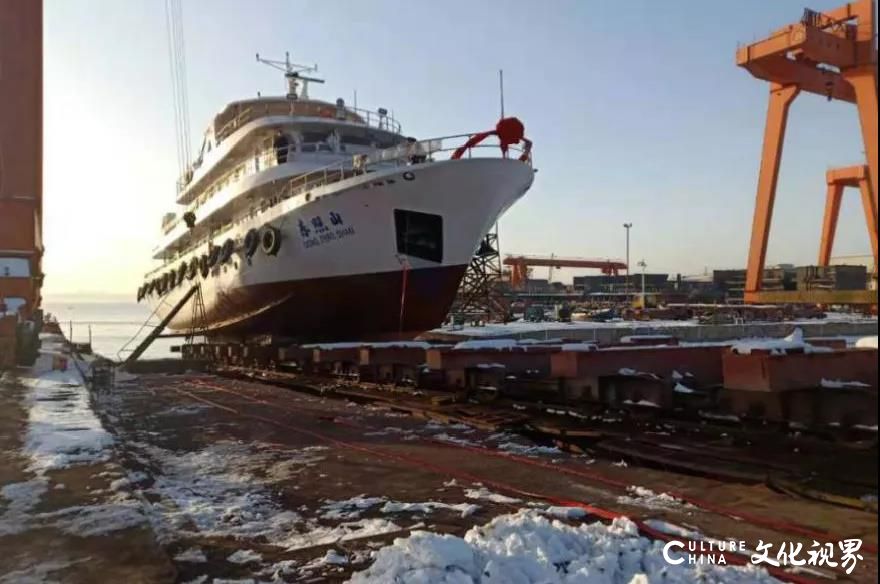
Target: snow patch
[529, 548]
[349, 508]
[642, 497]
[527, 450]
[245, 557]
[193, 555]
[793, 342]
[62, 428]
[463, 509]
[679, 388]
[482, 493]
[840, 384]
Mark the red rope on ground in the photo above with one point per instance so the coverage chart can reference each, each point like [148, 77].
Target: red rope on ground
[599, 512]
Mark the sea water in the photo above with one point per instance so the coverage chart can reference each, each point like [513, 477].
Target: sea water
[113, 323]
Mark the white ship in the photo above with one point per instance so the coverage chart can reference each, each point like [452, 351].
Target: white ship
[310, 220]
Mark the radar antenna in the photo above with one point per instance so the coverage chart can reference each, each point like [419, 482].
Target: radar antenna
[293, 73]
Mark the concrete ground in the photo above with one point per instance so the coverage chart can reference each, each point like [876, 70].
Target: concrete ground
[63, 522]
[243, 481]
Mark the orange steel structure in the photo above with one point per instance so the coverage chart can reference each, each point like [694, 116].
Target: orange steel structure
[838, 179]
[832, 54]
[519, 266]
[21, 151]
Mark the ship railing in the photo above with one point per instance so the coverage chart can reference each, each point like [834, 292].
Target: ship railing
[379, 119]
[232, 125]
[402, 155]
[406, 154]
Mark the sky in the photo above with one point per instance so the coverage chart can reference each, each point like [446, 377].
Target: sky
[637, 114]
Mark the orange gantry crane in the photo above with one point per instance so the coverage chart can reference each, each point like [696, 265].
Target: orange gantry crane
[832, 54]
[838, 179]
[519, 266]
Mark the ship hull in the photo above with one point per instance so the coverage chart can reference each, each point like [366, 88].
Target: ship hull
[374, 257]
[383, 306]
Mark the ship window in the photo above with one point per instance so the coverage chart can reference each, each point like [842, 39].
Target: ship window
[14, 268]
[419, 235]
[312, 137]
[11, 305]
[356, 140]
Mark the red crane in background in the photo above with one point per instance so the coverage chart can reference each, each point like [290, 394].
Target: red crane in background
[520, 264]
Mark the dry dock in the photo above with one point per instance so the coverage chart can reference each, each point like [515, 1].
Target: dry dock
[302, 478]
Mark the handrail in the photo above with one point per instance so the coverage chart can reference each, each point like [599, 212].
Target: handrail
[232, 125]
[400, 155]
[370, 118]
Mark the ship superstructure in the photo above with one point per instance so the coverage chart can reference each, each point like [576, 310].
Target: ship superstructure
[305, 219]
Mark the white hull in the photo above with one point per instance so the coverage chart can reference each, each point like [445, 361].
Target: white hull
[358, 238]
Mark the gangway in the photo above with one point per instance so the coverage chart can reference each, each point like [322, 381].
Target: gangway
[157, 330]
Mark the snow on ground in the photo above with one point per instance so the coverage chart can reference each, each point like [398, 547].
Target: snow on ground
[62, 428]
[331, 558]
[559, 328]
[444, 437]
[463, 509]
[193, 555]
[528, 548]
[642, 497]
[21, 497]
[522, 327]
[62, 431]
[218, 492]
[570, 513]
[527, 449]
[352, 508]
[349, 508]
[122, 512]
[40, 572]
[793, 342]
[245, 557]
[225, 490]
[484, 494]
[840, 384]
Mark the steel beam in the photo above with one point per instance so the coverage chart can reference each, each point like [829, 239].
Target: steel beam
[768, 177]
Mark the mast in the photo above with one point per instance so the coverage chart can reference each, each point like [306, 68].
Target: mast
[293, 74]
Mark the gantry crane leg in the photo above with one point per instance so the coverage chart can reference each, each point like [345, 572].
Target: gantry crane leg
[869, 203]
[829, 222]
[781, 98]
[864, 82]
